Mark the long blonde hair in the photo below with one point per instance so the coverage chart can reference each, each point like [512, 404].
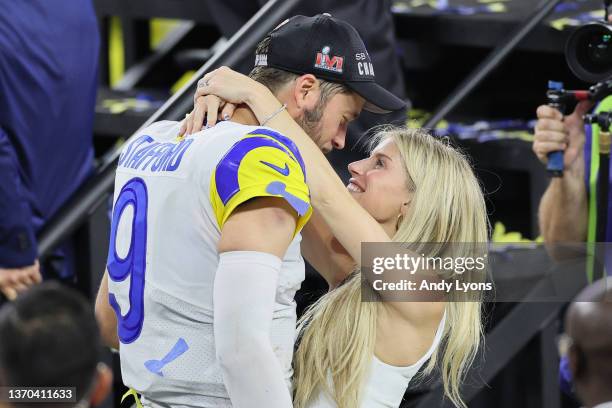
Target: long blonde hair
[338, 332]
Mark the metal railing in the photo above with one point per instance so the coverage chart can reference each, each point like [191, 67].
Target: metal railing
[85, 201]
[493, 60]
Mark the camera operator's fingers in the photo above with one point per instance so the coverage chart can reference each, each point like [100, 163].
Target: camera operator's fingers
[550, 125]
[582, 108]
[228, 111]
[548, 112]
[575, 122]
[542, 149]
[549, 136]
[213, 104]
[199, 111]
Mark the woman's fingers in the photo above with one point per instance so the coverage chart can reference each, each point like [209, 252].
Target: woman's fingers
[183, 128]
[228, 111]
[199, 112]
[188, 123]
[224, 83]
[213, 103]
[203, 84]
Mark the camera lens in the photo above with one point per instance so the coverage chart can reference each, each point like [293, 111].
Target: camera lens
[598, 56]
[589, 52]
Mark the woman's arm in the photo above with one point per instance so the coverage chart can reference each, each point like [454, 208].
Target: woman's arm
[348, 221]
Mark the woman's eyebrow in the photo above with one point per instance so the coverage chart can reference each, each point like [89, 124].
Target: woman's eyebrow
[383, 155]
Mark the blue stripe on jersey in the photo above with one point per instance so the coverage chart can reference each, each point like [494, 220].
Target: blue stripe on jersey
[284, 140]
[226, 174]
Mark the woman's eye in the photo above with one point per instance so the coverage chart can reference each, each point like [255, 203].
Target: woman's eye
[379, 163]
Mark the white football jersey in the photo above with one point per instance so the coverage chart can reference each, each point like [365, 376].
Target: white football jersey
[172, 196]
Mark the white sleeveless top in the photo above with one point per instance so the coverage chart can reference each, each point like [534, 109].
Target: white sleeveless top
[385, 384]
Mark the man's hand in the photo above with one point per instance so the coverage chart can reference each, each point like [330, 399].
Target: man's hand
[553, 132]
[17, 280]
[563, 209]
[107, 320]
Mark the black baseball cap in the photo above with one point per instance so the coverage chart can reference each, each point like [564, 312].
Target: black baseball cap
[330, 49]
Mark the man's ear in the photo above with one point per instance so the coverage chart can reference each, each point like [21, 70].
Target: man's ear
[576, 361]
[103, 384]
[306, 92]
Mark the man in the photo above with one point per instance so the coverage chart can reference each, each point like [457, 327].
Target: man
[48, 81]
[373, 21]
[49, 338]
[207, 230]
[569, 207]
[563, 209]
[588, 343]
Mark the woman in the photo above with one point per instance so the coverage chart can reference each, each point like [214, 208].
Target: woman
[413, 188]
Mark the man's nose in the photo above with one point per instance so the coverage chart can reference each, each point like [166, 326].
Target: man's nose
[339, 141]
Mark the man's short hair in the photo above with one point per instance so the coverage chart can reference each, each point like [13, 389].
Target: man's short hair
[274, 79]
[49, 338]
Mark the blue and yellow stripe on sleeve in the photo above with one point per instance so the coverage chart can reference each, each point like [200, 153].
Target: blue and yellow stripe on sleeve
[264, 163]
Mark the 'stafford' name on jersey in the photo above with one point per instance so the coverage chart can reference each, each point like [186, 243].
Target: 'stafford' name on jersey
[146, 154]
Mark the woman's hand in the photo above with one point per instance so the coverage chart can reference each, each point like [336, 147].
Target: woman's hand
[209, 107]
[229, 85]
[220, 90]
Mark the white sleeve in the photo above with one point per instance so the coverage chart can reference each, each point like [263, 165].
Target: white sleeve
[243, 299]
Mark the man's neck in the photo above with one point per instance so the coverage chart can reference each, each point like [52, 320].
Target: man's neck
[244, 116]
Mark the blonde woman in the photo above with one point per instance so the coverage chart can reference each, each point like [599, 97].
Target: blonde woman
[413, 188]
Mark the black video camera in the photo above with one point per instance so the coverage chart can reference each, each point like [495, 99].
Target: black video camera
[589, 50]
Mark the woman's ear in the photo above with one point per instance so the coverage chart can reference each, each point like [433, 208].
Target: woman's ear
[405, 207]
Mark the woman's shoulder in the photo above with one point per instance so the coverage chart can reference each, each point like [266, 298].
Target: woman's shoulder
[403, 341]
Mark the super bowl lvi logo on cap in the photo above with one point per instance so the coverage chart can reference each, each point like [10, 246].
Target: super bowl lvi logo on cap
[324, 61]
